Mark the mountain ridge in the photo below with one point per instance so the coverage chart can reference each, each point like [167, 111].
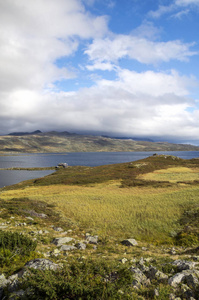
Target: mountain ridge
[53, 141]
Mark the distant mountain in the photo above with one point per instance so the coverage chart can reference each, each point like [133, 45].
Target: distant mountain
[133, 138]
[37, 142]
[25, 133]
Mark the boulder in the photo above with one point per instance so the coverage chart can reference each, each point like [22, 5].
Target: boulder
[129, 242]
[154, 273]
[190, 277]
[139, 278]
[184, 264]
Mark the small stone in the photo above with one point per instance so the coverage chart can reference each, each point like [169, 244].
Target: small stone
[123, 260]
[58, 229]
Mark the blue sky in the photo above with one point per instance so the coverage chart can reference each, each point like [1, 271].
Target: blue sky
[120, 68]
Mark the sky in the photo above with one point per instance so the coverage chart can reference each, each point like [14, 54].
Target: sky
[103, 67]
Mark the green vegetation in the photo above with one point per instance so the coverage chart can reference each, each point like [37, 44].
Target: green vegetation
[82, 280]
[147, 200]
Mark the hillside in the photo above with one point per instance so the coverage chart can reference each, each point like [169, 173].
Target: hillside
[38, 142]
[121, 231]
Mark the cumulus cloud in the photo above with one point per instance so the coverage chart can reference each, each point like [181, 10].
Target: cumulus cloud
[34, 33]
[134, 104]
[110, 50]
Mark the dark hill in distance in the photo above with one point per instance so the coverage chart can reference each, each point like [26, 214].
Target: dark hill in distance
[38, 142]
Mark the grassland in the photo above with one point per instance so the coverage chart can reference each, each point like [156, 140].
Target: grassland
[144, 199]
[154, 200]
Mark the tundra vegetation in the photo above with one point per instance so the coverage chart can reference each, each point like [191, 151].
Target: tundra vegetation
[154, 201]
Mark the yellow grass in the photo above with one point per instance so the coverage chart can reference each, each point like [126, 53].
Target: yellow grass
[143, 213]
[172, 174]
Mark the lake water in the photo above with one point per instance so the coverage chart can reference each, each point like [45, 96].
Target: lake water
[8, 177]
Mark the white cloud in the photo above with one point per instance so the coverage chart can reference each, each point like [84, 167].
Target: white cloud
[152, 103]
[34, 33]
[138, 48]
[175, 6]
[186, 2]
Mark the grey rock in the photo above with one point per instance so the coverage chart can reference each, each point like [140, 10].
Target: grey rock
[154, 273]
[139, 277]
[172, 296]
[184, 264]
[58, 229]
[81, 246]
[130, 242]
[123, 260]
[190, 277]
[62, 240]
[40, 264]
[92, 239]
[67, 248]
[156, 293]
[3, 281]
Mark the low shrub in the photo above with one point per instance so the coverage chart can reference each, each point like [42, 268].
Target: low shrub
[81, 280]
[15, 241]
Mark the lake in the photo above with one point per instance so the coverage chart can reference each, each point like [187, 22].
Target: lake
[26, 160]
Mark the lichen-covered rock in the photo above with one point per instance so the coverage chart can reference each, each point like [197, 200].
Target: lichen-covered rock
[184, 264]
[130, 242]
[139, 278]
[190, 277]
[62, 240]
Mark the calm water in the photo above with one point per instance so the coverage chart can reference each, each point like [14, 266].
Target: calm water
[92, 159]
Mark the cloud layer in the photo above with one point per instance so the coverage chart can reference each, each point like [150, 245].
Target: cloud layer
[34, 34]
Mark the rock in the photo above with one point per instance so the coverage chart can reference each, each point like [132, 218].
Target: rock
[123, 260]
[172, 296]
[3, 281]
[67, 248]
[58, 229]
[190, 277]
[92, 239]
[40, 264]
[139, 278]
[184, 264]
[156, 293]
[129, 242]
[81, 246]
[172, 251]
[154, 273]
[62, 240]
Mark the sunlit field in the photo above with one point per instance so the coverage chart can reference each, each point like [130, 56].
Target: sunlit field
[173, 174]
[147, 213]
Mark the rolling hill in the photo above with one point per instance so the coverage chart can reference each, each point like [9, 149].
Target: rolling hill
[37, 142]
